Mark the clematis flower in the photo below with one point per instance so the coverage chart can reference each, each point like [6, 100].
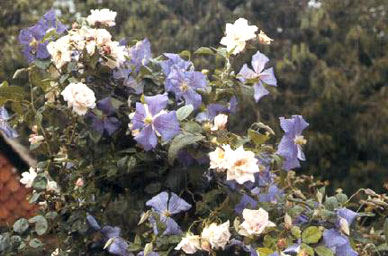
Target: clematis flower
[167, 206]
[338, 243]
[245, 201]
[255, 222]
[258, 74]
[4, 126]
[273, 194]
[111, 237]
[237, 34]
[185, 85]
[151, 120]
[175, 61]
[140, 54]
[290, 147]
[107, 122]
[214, 109]
[31, 38]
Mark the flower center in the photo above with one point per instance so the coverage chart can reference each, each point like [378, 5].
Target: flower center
[34, 43]
[240, 162]
[184, 87]
[167, 213]
[300, 140]
[148, 120]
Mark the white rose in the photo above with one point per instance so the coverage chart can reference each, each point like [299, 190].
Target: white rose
[218, 158]
[79, 97]
[220, 122]
[28, 177]
[216, 235]
[104, 17]
[35, 138]
[60, 51]
[255, 222]
[241, 166]
[237, 34]
[190, 244]
[117, 54]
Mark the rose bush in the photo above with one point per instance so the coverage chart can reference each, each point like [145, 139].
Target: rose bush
[142, 144]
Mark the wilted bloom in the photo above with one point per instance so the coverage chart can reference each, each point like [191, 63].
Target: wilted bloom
[218, 158]
[185, 85]
[28, 177]
[220, 122]
[255, 222]
[175, 61]
[290, 147]
[4, 126]
[167, 206]
[241, 166]
[116, 54]
[152, 121]
[263, 38]
[104, 17]
[237, 34]
[79, 97]
[111, 237]
[106, 121]
[79, 182]
[190, 244]
[338, 243]
[60, 51]
[140, 54]
[258, 75]
[32, 38]
[215, 235]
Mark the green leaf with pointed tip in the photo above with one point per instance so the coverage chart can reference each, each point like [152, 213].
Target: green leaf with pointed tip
[324, 251]
[204, 51]
[183, 112]
[181, 141]
[311, 235]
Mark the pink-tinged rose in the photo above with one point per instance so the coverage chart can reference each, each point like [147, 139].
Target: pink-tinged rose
[255, 222]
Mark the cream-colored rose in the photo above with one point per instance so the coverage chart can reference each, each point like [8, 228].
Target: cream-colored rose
[190, 244]
[60, 51]
[237, 34]
[103, 17]
[116, 54]
[79, 97]
[255, 222]
[264, 39]
[28, 177]
[220, 122]
[215, 235]
[241, 166]
[218, 158]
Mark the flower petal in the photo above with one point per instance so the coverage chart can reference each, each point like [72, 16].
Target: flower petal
[177, 204]
[167, 125]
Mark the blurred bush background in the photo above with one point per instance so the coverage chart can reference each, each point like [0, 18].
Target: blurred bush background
[331, 60]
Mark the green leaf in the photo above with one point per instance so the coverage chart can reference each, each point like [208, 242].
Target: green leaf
[204, 51]
[10, 93]
[34, 198]
[20, 226]
[185, 54]
[323, 251]
[181, 141]
[307, 249]
[40, 183]
[183, 112]
[257, 137]
[311, 235]
[41, 224]
[35, 243]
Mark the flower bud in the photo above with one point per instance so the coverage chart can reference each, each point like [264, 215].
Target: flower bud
[220, 122]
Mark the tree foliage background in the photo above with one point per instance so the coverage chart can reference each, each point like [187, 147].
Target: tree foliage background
[331, 63]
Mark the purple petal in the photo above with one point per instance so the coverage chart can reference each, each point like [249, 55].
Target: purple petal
[197, 80]
[156, 103]
[232, 105]
[172, 227]
[92, 222]
[347, 214]
[259, 91]
[111, 124]
[119, 247]
[192, 98]
[147, 138]
[174, 60]
[345, 250]
[105, 105]
[268, 77]
[42, 52]
[245, 201]
[258, 62]
[333, 239]
[110, 232]
[167, 125]
[138, 118]
[246, 73]
[158, 202]
[140, 54]
[177, 204]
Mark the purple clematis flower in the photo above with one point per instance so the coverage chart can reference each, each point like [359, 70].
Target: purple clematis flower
[290, 147]
[175, 61]
[149, 254]
[151, 120]
[274, 193]
[31, 38]
[140, 54]
[347, 214]
[214, 109]
[111, 237]
[245, 201]
[167, 206]
[4, 126]
[107, 122]
[338, 243]
[258, 75]
[185, 85]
